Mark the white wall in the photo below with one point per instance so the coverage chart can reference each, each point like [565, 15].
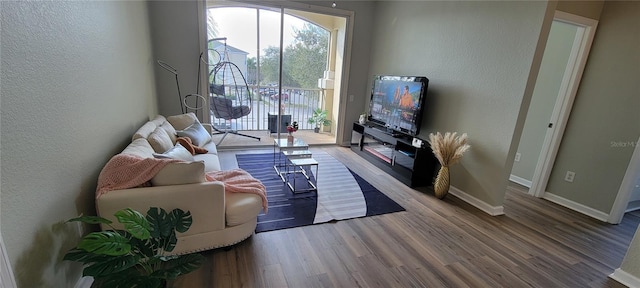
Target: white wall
[545, 93]
[477, 56]
[77, 80]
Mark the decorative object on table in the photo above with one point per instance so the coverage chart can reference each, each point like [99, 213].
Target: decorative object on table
[291, 128]
[138, 255]
[363, 119]
[448, 149]
[341, 195]
[319, 118]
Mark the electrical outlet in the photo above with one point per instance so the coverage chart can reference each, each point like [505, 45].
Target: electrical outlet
[570, 175]
[517, 159]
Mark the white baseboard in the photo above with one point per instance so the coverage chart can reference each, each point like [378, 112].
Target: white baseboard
[604, 217]
[633, 206]
[84, 282]
[484, 206]
[520, 180]
[625, 278]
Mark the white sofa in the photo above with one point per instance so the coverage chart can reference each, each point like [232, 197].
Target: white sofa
[219, 219]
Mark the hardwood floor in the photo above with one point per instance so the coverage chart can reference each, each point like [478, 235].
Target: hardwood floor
[435, 243]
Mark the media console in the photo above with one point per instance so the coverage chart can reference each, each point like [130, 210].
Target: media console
[395, 154]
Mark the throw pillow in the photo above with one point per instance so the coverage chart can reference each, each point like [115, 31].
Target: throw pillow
[170, 130]
[177, 152]
[199, 136]
[160, 140]
[182, 121]
[179, 173]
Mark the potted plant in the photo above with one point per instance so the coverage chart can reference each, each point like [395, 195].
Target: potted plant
[136, 256]
[319, 118]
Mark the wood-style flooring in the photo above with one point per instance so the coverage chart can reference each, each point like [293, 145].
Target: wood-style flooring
[435, 243]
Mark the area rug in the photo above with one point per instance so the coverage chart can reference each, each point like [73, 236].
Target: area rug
[342, 194]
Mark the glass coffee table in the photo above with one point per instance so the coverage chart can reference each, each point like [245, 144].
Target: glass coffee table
[291, 157]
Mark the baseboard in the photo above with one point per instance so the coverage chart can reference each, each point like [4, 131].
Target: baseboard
[633, 206]
[484, 206]
[604, 217]
[84, 282]
[625, 278]
[520, 180]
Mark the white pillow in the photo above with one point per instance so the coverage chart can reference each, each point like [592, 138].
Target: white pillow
[160, 140]
[170, 131]
[182, 121]
[178, 173]
[177, 152]
[199, 136]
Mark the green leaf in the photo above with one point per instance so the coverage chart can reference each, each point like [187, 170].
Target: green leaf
[83, 256]
[170, 242]
[105, 243]
[175, 267]
[90, 220]
[182, 220]
[111, 266]
[145, 247]
[159, 222]
[134, 223]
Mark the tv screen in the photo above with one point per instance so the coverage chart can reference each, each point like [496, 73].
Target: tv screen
[397, 102]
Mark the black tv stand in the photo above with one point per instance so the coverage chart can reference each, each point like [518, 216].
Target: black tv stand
[394, 153]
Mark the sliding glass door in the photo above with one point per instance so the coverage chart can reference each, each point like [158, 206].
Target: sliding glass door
[287, 59]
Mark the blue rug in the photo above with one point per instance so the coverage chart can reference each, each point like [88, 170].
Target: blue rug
[342, 194]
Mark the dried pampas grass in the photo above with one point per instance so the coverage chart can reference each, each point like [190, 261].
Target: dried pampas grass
[449, 148]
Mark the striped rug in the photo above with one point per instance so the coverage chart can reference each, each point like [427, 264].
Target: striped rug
[342, 194]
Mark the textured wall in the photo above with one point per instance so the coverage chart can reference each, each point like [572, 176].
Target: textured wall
[477, 56]
[77, 80]
[604, 121]
[545, 93]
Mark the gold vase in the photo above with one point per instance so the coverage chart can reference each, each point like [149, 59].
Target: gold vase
[441, 186]
[290, 138]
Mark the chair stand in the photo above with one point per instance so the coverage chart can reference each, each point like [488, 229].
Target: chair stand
[229, 131]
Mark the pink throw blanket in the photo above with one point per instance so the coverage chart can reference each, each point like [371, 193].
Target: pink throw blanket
[127, 171]
[240, 181]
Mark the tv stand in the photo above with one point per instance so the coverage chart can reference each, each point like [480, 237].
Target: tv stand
[393, 153]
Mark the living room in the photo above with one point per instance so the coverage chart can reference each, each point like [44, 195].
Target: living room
[83, 75]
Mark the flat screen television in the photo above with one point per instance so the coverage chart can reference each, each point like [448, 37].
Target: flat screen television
[397, 102]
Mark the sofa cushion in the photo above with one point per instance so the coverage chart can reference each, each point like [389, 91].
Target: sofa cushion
[160, 140]
[177, 152]
[158, 120]
[139, 147]
[199, 136]
[211, 161]
[144, 131]
[211, 147]
[179, 173]
[170, 131]
[241, 207]
[182, 121]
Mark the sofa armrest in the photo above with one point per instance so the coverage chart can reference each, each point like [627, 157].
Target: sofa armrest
[205, 201]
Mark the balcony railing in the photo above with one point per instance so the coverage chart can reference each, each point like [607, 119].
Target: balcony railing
[297, 102]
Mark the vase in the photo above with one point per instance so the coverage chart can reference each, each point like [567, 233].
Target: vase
[290, 138]
[441, 185]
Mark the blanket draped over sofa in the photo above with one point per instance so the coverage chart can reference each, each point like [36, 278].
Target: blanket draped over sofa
[125, 171]
[240, 181]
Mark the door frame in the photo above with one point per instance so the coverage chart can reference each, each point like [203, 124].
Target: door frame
[566, 96]
[626, 187]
